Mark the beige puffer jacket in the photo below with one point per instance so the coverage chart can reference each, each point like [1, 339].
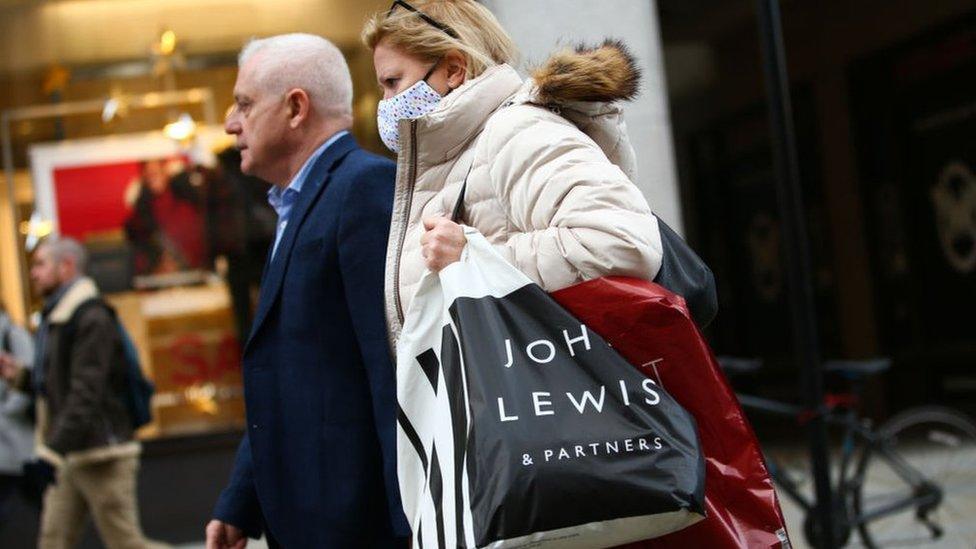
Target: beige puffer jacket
[551, 175]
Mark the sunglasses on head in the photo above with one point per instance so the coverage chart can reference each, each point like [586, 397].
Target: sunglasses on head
[430, 20]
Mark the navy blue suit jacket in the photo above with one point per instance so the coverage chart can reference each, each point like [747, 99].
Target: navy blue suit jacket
[317, 465]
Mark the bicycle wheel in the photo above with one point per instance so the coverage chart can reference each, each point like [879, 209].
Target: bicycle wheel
[927, 453]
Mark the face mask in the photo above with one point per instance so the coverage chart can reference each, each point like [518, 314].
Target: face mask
[413, 102]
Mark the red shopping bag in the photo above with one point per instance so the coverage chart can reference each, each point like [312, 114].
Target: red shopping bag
[652, 329]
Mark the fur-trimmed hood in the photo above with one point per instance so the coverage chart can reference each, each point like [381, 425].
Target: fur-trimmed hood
[586, 85]
[604, 73]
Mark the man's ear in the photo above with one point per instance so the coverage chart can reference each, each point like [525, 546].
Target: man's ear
[457, 68]
[299, 107]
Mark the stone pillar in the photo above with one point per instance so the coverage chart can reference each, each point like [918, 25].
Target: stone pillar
[540, 27]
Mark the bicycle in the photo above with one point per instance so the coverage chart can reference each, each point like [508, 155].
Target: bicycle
[886, 487]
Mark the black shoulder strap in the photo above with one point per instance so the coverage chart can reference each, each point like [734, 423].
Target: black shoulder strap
[458, 212]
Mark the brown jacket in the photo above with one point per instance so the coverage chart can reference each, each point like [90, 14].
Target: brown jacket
[81, 415]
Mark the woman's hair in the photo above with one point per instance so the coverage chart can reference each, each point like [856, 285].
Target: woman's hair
[480, 38]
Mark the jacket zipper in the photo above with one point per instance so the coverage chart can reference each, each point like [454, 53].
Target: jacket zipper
[411, 183]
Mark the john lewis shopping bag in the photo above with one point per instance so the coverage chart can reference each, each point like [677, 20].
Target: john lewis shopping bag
[520, 426]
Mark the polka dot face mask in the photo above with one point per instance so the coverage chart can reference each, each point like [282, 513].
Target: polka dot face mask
[413, 102]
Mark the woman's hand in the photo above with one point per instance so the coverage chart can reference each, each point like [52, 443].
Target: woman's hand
[442, 242]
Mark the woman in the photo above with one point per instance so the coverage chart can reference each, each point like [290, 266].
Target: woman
[16, 426]
[547, 162]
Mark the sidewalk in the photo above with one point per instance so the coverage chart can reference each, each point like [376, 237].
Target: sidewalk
[957, 470]
[961, 492]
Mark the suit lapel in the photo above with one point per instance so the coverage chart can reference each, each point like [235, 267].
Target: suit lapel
[318, 179]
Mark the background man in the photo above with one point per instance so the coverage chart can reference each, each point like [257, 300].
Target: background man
[317, 466]
[79, 380]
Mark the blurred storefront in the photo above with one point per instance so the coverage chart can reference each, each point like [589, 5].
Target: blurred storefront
[106, 100]
[883, 101]
[114, 114]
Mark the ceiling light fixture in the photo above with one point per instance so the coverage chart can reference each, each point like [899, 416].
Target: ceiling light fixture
[184, 128]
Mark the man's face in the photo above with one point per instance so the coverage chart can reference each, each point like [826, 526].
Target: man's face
[259, 120]
[46, 272]
[154, 174]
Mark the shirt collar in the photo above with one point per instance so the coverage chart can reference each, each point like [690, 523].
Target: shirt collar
[275, 193]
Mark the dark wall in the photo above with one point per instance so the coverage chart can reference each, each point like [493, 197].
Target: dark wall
[840, 58]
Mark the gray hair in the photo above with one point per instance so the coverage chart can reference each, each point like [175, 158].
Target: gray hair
[304, 61]
[63, 248]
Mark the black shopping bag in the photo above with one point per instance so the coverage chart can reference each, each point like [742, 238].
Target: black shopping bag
[518, 426]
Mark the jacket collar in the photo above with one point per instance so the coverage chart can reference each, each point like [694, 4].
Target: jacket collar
[460, 116]
[80, 291]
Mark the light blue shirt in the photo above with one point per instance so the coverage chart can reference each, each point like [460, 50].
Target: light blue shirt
[282, 200]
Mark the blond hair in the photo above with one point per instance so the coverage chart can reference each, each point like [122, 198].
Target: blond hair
[480, 38]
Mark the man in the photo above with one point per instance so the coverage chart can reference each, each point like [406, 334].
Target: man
[85, 430]
[317, 465]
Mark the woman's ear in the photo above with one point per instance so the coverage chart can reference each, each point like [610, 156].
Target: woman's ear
[457, 69]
